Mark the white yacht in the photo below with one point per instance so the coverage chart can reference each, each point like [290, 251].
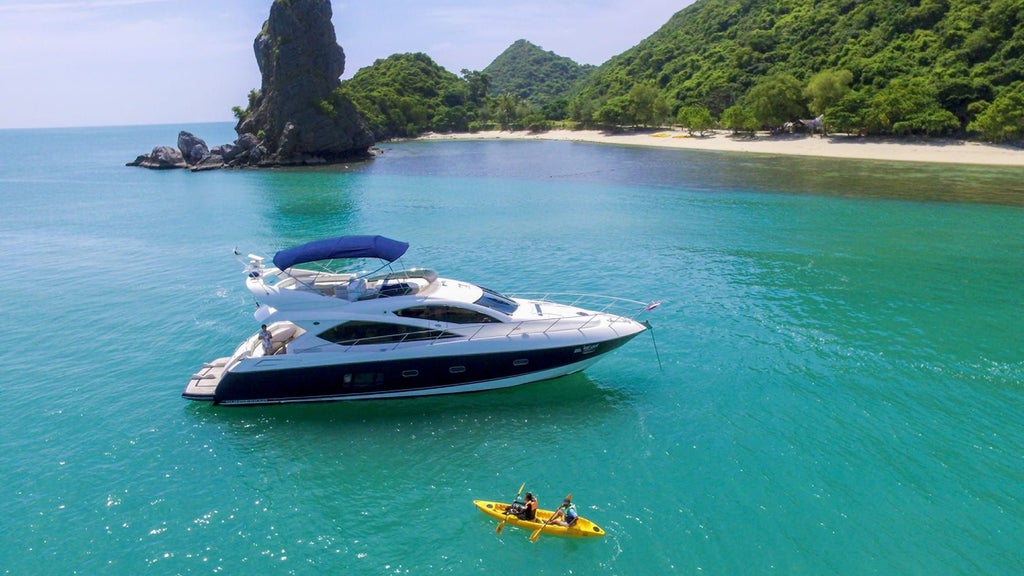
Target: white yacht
[392, 334]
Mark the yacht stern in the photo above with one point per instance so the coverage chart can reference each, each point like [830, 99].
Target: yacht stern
[203, 383]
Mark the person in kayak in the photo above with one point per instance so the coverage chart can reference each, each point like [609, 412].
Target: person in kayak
[566, 514]
[529, 511]
[524, 511]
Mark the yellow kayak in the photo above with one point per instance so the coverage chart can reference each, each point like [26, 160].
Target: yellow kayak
[582, 528]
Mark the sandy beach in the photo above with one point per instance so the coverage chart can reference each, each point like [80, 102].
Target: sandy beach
[838, 146]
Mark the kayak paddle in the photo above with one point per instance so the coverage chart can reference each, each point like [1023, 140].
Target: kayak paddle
[501, 525]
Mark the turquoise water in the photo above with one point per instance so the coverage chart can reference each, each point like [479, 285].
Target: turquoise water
[839, 390]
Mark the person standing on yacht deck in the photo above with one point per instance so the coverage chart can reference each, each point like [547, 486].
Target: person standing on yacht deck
[267, 338]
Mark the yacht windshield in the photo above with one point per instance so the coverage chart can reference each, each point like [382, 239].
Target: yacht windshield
[495, 301]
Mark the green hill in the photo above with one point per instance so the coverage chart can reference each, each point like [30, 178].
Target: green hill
[407, 94]
[895, 66]
[530, 73]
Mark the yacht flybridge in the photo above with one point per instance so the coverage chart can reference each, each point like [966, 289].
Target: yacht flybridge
[393, 334]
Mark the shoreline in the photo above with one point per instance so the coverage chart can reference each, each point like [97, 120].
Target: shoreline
[939, 151]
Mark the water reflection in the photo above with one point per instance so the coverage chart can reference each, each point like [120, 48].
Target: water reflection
[300, 205]
[423, 437]
[705, 171]
[499, 407]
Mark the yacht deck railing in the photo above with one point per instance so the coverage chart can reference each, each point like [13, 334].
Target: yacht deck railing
[612, 305]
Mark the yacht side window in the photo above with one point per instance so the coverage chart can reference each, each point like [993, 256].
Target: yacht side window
[359, 332]
[452, 314]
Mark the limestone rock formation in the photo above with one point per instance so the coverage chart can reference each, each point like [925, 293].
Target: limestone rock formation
[296, 118]
[295, 114]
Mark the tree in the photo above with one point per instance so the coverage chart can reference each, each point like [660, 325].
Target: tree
[826, 88]
[243, 113]
[1003, 120]
[957, 92]
[847, 115]
[909, 106]
[556, 109]
[507, 107]
[582, 110]
[479, 83]
[536, 122]
[616, 111]
[739, 119]
[696, 119]
[662, 110]
[777, 100]
[642, 98]
[450, 120]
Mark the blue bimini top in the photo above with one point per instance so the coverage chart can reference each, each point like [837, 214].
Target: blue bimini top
[341, 247]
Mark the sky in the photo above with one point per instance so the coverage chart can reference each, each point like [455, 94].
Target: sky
[127, 62]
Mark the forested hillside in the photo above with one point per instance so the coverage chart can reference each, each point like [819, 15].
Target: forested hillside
[408, 94]
[541, 78]
[885, 66]
[890, 67]
[405, 95]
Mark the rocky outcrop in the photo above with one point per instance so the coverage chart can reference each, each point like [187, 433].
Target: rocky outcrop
[161, 158]
[193, 149]
[297, 118]
[192, 152]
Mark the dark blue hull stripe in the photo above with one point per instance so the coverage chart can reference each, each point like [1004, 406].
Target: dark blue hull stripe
[413, 377]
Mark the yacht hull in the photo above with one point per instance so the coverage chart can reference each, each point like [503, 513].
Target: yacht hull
[273, 382]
